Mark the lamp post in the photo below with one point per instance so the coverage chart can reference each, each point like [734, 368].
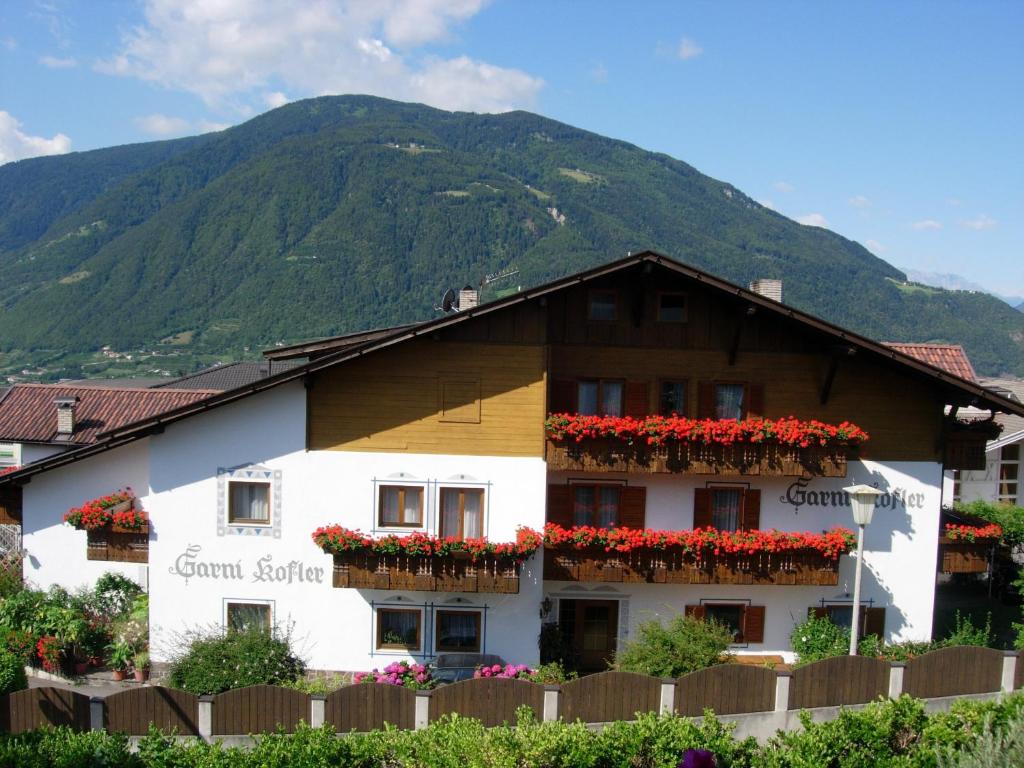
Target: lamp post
[862, 501]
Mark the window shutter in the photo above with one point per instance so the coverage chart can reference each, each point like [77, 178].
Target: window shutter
[560, 505]
[697, 611]
[705, 400]
[632, 506]
[751, 518]
[638, 398]
[563, 396]
[818, 611]
[755, 400]
[702, 508]
[874, 622]
[753, 624]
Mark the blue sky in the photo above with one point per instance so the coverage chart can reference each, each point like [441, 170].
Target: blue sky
[898, 125]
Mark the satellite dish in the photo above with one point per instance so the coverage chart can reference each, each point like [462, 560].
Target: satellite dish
[448, 301]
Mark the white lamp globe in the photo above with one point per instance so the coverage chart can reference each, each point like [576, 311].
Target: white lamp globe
[862, 502]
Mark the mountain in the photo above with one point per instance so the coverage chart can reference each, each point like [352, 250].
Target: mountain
[952, 282]
[340, 213]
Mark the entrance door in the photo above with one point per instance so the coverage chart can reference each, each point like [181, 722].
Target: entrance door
[591, 628]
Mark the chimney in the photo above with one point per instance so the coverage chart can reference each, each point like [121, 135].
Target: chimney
[468, 298]
[770, 289]
[65, 416]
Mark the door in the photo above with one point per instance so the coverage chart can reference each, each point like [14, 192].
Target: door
[591, 630]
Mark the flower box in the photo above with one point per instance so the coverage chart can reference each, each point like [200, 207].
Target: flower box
[961, 556]
[360, 570]
[122, 546]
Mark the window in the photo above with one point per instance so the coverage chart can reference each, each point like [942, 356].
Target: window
[726, 506]
[596, 505]
[462, 513]
[672, 308]
[398, 628]
[728, 615]
[871, 621]
[243, 616]
[458, 631]
[957, 488]
[1009, 473]
[401, 506]
[672, 398]
[729, 401]
[249, 503]
[600, 397]
[9, 454]
[745, 621]
[602, 306]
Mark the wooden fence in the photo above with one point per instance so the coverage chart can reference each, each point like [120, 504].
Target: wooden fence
[730, 689]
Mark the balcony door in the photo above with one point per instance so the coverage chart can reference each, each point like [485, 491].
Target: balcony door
[591, 629]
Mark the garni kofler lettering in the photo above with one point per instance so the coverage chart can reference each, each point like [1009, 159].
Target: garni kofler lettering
[189, 566]
[797, 495]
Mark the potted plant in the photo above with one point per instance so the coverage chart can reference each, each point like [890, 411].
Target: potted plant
[141, 663]
[121, 655]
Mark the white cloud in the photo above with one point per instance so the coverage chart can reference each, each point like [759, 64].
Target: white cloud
[927, 224]
[688, 49]
[54, 62]
[17, 145]
[232, 52]
[783, 186]
[208, 126]
[859, 201]
[875, 247]
[981, 221]
[813, 220]
[162, 125]
[275, 99]
[767, 204]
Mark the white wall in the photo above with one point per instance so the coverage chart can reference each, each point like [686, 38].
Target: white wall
[31, 452]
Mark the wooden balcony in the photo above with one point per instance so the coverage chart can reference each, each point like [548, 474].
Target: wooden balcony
[809, 568]
[609, 455]
[964, 556]
[121, 545]
[354, 570]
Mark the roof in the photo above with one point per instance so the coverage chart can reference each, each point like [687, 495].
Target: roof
[28, 413]
[229, 376]
[956, 390]
[948, 357]
[1013, 424]
[319, 347]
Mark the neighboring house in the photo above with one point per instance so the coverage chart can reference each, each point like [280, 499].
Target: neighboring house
[440, 428]
[228, 376]
[1002, 477]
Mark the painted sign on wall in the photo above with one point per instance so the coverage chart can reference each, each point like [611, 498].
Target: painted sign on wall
[188, 565]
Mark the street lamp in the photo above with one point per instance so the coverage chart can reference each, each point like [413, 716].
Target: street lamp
[862, 501]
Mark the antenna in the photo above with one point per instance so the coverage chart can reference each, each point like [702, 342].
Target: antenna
[494, 277]
[448, 302]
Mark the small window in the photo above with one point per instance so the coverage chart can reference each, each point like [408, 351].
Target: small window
[249, 503]
[729, 401]
[1009, 473]
[398, 628]
[462, 513]
[596, 505]
[672, 308]
[601, 397]
[602, 306]
[458, 631]
[727, 614]
[246, 616]
[726, 506]
[401, 506]
[672, 398]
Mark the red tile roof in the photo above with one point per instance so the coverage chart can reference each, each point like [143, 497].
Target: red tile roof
[949, 357]
[28, 413]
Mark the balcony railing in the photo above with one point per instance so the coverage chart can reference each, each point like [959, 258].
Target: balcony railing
[452, 573]
[678, 566]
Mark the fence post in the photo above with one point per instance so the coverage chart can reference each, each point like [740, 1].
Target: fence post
[422, 717]
[668, 695]
[896, 669]
[782, 690]
[552, 702]
[1009, 671]
[95, 713]
[317, 710]
[205, 724]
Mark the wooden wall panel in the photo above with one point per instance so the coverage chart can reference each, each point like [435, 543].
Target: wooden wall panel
[727, 689]
[841, 680]
[492, 701]
[134, 710]
[391, 400]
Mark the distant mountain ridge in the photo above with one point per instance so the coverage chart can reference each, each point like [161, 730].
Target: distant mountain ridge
[953, 282]
[339, 213]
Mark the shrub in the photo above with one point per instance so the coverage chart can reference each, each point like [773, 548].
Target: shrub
[318, 686]
[401, 673]
[965, 633]
[551, 674]
[685, 644]
[218, 660]
[816, 638]
[12, 673]
[114, 594]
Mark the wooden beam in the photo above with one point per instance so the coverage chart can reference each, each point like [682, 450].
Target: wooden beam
[734, 347]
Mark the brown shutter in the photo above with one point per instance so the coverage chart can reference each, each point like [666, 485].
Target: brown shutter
[705, 400]
[874, 622]
[755, 400]
[638, 398]
[697, 611]
[751, 517]
[702, 508]
[10, 505]
[753, 624]
[633, 506]
[818, 611]
[560, 505]
[563, 396]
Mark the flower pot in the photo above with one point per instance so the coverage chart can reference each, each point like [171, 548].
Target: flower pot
[141, 675]
[118, 675]
[81, 667]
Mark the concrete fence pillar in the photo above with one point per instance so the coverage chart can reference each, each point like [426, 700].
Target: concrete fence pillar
[782, 690]
[896, 670]
[95, 713]
[1009, 671]
[422, 717]
[205, 723]
[552, 702]
[668, 696]
[317, 709]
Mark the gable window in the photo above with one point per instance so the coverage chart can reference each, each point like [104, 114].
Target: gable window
[599, 397]
[602, 306]
[398, 629]
[1009, 473]
[462, 513]
[401, 506]
[672, 398]
[458, 631]
[729, 401]
[596, 505]
[249, 502]
[672, 308]
[245, 616]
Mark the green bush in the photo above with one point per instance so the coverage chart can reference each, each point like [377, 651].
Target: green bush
[12, 673]
[685, 644]
[218, 660]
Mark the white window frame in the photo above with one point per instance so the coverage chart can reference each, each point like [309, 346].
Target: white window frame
[1012, 498]
[14, 460]
[228, 601]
